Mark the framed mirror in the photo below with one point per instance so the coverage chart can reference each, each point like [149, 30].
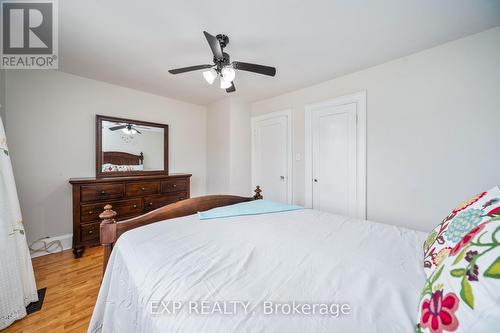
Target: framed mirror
[126, 147]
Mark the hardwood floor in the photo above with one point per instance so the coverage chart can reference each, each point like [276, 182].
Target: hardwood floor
[72, 287]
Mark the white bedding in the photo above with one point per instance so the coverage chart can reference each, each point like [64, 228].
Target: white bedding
[304, 256]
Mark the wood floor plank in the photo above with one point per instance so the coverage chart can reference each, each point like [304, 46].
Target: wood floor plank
[72, 288]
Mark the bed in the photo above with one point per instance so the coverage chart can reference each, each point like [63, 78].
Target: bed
[121, 161]
[247, 273]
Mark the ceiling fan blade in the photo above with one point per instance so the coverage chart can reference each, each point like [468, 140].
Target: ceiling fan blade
[114, 128]
[214, 44]
[189, 69]
[232, 88]
[137, 131]
[260, 69]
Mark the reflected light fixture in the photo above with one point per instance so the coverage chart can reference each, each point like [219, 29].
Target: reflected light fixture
[129, 131]
[210, 75]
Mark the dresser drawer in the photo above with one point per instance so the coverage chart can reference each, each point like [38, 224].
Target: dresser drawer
[141, 189]
[123, 208]
[101, 192]
[90, 232]
[157, 201]
[173, 185]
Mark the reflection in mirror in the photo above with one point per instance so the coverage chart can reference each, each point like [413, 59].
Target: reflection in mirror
[131, 147]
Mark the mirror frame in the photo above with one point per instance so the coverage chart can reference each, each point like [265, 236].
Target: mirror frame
[98, 148]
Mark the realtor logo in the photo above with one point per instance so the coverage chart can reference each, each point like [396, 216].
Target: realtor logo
[29, 34]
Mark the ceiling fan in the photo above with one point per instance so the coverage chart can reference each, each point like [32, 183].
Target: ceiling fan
[127, 128]
[223, 67]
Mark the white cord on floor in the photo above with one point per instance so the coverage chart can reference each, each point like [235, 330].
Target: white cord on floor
[50, 247]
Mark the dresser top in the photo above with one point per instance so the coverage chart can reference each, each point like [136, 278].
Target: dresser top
[87, 180]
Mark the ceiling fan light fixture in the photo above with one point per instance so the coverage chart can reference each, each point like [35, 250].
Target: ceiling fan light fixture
[222, 67]
[228, 73]
[224, 84]
[129, 131]
[210, 75]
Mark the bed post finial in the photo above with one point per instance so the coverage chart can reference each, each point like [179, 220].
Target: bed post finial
[108, 214]
[108, 233]
[257, 191]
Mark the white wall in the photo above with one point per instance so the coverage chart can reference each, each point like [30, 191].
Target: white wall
[228, 147]
[432, 128]
[218, 147]
[51, 136]
[240, 141]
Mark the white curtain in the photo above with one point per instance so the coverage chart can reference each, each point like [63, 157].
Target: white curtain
[17, 281]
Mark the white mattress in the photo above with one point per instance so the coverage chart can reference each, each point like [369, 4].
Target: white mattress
[304, 256]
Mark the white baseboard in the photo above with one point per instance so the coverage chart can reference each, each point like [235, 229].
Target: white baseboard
[66, 241]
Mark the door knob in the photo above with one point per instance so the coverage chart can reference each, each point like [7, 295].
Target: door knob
[282, 177]
[315, 180]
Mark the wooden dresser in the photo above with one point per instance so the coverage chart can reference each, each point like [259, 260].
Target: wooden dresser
[129, 196]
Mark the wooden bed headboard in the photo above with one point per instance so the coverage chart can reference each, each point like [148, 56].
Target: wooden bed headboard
[121, 158]
[111, 229]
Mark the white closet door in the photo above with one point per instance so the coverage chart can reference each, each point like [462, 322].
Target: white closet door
[271, 156]
[334, 168]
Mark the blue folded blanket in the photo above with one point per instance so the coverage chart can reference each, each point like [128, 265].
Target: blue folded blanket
[247, 208]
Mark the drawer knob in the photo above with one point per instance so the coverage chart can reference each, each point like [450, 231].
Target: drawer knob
[181, 198]
[143, 189]
[91, 232]
[151, 204]
[103, 192]
[91, 212]
[135, 206]
[174, 185]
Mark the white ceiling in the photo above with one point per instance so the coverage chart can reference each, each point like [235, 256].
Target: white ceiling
[135, 43]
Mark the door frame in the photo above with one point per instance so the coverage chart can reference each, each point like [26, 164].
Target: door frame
[288, 114]
[360, 99]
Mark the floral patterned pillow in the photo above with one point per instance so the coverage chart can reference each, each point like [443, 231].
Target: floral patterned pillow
[458, 223]
[463, 294]
[108, 167]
